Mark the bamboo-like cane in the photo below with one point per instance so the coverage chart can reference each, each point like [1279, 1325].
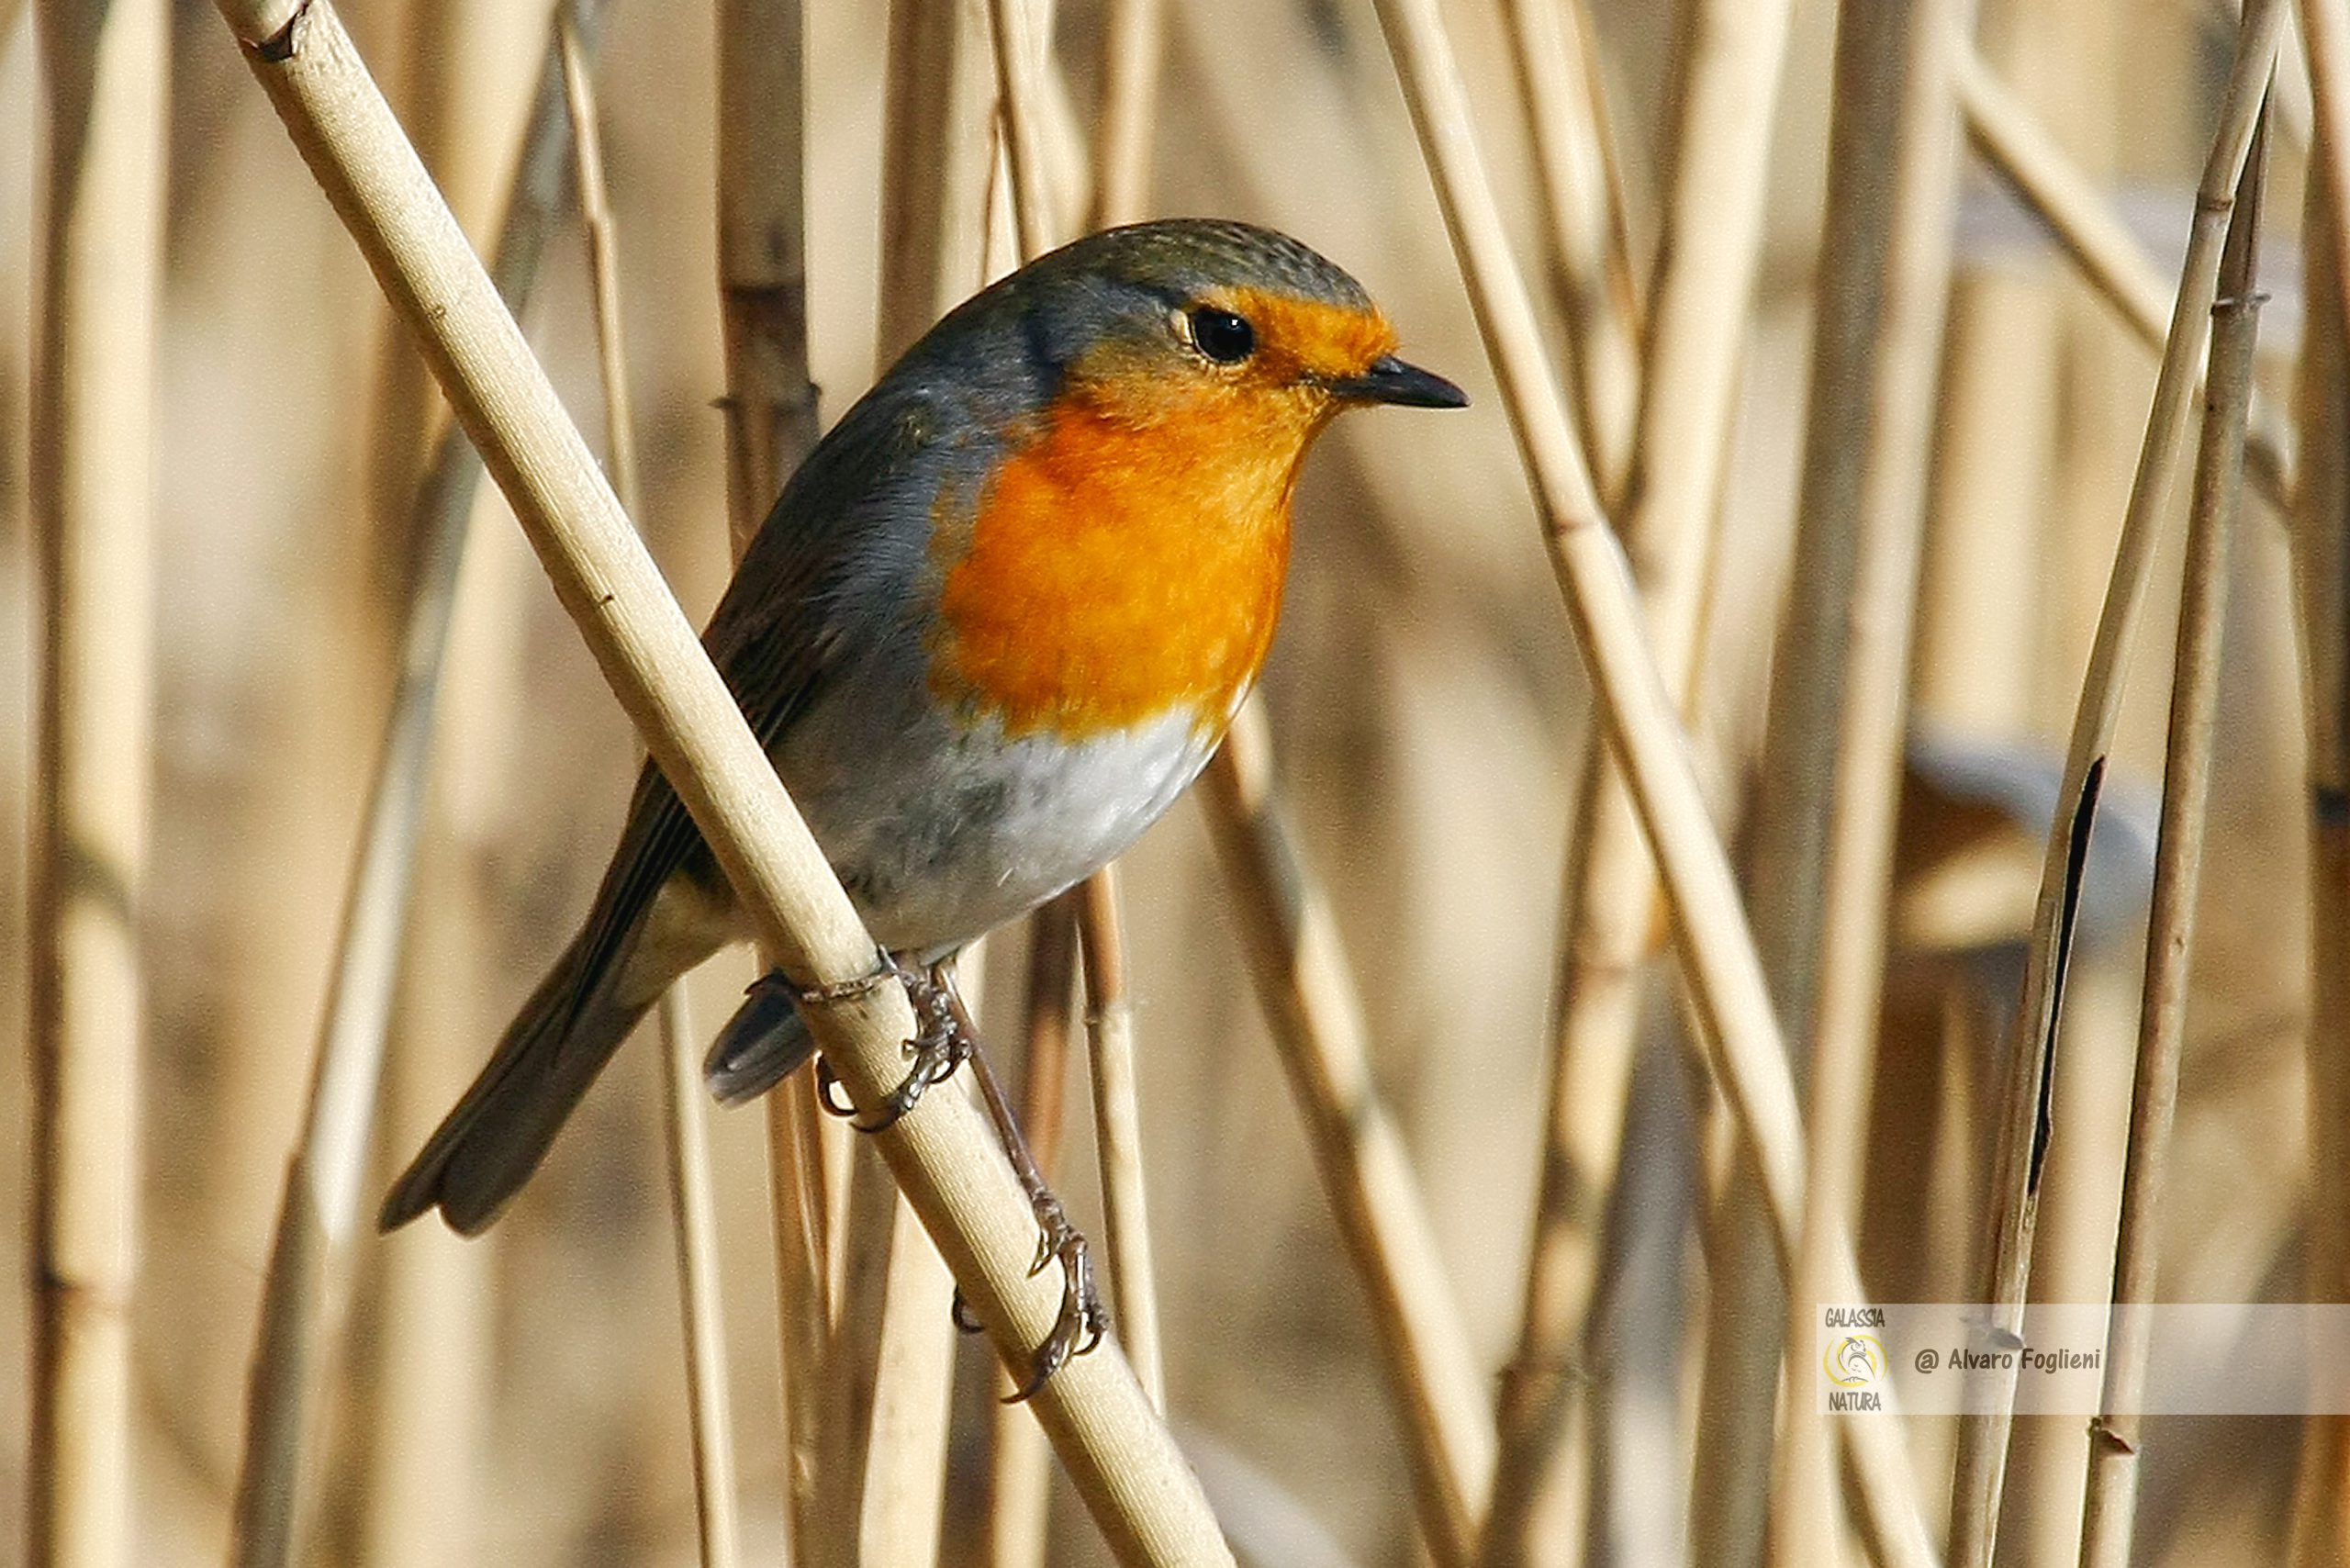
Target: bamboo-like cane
[1747, 1310]
[1133, 35]
[1741, 1037]
[1312, 1009]
[320, 1206]
[1021, 38]
[1117, 1128]
[2111, 1513]
[1874, 627]
[1117, 1453]
[2015, 1189]
[1708, 257]
[2321, 541]
[693, 1204]
[2022, 151]
[2325, 41]
[1560, 90]
[1020, 1474]
[770, 426]
[101, 266]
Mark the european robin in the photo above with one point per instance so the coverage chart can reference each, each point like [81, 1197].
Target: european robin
[995, 624]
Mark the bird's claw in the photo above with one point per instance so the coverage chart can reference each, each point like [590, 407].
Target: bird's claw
[1082, 1320]
[941, 1044]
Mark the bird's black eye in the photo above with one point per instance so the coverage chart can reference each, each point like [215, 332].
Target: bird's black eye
[1222, 336]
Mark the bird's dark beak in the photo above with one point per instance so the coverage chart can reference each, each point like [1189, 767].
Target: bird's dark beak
[1389, 380]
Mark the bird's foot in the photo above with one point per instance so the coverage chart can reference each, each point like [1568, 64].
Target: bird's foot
[943, 1041]
[1082, 1320]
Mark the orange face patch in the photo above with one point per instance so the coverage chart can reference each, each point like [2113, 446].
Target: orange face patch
[1127, 558]
[1112, 574]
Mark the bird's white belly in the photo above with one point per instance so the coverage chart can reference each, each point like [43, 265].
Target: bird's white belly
[942, 833]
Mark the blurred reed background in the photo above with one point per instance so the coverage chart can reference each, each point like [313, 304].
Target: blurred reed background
[1772, 421]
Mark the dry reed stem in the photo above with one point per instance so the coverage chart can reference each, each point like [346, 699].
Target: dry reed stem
[1133, 35]
[2025, 154]
[1874, 628]
[1553, 56]
[1023, 37]
[937, 148]
[1708, 253]
[2321, 541]
[1756, 1321]
[302, 1295]
[1290, 941]
[1740, 1034]
[1117, 1128]
[2325, 44]
[100, 259]
[770, 425]
[1019, 1480]
[1118, 1453]
[2111, 1513]
[693, 1204]
[2022, 1127]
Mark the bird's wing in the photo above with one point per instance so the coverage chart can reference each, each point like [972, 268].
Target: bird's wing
[775, 637]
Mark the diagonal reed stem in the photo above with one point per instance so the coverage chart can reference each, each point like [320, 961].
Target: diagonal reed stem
[300, 1306]
[1740, 1034]
[2023, 1126]
[1117, 1453]
[2110, 1512]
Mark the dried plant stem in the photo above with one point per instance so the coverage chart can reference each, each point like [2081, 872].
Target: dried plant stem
[1896, 385]
[100, 262]
[1708, 257]
[938, 147]
[1559, 88]
[2111, 1509]
[693, 1205]
[2014, 143]
[1117, 1451]
[1117, 1128]
[1133, 35]
[301, 1302]
[2320, 543]
[1290, 942]
[1019, 1476]
[2023, 1130]
[1744, 1050]
[1023, 34]
[2325, 41]
[770, 426]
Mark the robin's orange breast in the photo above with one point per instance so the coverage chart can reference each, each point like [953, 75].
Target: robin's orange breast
[1110, 572]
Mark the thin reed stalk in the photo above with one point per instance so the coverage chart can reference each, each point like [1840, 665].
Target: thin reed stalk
[2110, 1514]
[1749, 1313]
[2325, 44]
[2320, 543]
[1117, 1451]
[1708, 254]
[1022, 37]
[2021, 151]
[770, 425]
[1895, 383]
[937, 150]
[1133, 37]
[1117, 1128]
[318, 1213]
[693, 1204]
[100, 259]
[2023, 1125]
[1744, 1048]
[1560, 89]
[1020, 1475]
[1290, 939]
